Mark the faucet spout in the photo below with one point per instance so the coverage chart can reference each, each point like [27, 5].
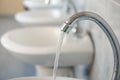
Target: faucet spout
[68, 25]
[72, 6]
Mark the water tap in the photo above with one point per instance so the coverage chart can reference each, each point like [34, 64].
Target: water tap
[68, 25]
[78, 30]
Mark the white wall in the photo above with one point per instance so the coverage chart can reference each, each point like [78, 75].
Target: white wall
[10, 7]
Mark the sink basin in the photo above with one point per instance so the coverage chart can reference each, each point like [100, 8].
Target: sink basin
[45, 78]
[37, 45]
[33, 4]
[44, 16]
[40, 4]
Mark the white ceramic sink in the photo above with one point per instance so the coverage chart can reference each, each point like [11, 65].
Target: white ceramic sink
[37, 45]
[33, 4]
[40, 4]
[45, 78]
[44, 16]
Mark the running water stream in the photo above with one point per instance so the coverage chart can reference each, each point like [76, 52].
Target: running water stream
[58, 51]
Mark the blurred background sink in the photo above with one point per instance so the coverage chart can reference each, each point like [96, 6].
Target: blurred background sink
[50, 16]
[40, 4]
[45, 78]
[37, 45]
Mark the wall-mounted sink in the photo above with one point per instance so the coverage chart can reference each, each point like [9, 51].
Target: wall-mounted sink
[44, 16]
[37, 45]
[40, 4]
[33, 4]
[45, 78]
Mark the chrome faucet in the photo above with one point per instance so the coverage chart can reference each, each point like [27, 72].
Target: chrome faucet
[71, 5]
[68, 25]
[68, 6]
